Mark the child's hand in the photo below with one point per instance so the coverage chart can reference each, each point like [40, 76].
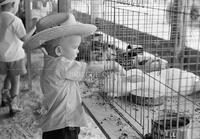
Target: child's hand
[34, 21]
[31, 31]
[115, 66]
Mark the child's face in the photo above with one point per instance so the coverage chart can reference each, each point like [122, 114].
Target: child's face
[70, 46]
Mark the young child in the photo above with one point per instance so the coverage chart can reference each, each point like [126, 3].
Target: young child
[61, 74]
[12, 55]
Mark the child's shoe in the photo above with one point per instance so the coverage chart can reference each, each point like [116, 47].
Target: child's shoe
[14, 106]
[5, 97]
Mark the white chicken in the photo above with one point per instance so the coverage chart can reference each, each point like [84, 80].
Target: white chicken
[166, 82]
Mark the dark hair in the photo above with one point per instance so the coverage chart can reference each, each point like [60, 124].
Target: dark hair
[7, 6]
[50, 46]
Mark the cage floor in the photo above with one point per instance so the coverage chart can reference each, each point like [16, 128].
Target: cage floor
[140, 116]
[114, 126]
[144, 115]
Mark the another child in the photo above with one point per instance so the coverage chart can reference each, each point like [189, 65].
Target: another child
[12, 55]
[61, 74]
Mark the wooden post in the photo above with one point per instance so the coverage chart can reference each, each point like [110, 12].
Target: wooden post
[27, 14]
[175, 28]
[64, 5]
[96, 10]
[178, 30]
[28, 24]
[184, 18]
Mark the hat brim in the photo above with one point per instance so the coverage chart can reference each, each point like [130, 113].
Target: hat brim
[6, 2]
[59, 31]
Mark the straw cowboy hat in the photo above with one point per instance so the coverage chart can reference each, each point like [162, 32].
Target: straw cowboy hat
[56, 26]
[3, 2]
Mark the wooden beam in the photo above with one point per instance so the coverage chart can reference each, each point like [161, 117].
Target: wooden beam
[178, 22]
[28, 25]
[27, 14]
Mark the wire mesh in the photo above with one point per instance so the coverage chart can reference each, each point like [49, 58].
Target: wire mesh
[157, 43]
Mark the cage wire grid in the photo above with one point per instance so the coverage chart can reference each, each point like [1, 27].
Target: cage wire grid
[157, 43]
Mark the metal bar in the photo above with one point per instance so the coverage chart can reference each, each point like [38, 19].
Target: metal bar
[95, 120]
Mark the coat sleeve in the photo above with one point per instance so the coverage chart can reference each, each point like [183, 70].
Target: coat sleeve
[73, 70]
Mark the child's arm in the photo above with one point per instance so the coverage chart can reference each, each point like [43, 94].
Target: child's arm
[21, 31]
[75, 70]
[30, 33]
[100, 66]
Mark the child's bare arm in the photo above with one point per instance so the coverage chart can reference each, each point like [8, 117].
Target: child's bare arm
[100, 66]
[29, 34]
[31, 31]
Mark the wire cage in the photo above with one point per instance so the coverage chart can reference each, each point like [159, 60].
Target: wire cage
[157, 43]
